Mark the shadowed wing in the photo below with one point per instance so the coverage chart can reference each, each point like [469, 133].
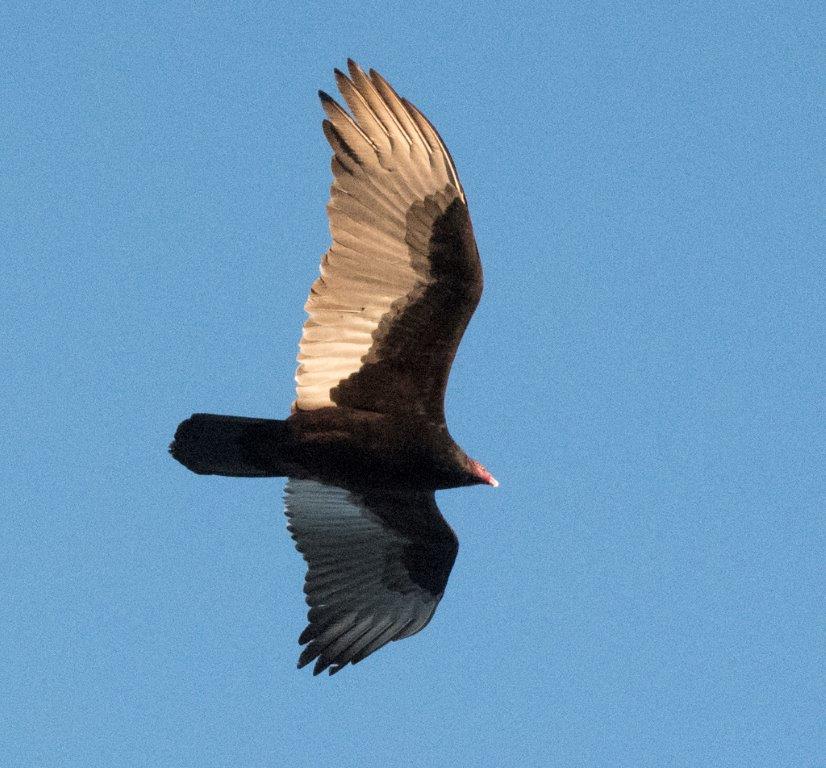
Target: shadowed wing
[377, 564]
[402, 277]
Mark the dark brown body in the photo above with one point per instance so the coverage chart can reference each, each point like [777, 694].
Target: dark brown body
[341, 446]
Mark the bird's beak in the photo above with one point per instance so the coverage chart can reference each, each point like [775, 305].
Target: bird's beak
[483, 475]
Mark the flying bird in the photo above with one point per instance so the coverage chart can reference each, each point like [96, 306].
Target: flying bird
[366, 445]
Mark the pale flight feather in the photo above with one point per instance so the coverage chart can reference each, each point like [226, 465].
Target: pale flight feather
[387, 159]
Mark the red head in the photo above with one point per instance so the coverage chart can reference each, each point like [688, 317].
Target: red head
[477, 470]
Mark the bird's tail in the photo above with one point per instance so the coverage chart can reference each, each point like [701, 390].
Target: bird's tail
[235, 446]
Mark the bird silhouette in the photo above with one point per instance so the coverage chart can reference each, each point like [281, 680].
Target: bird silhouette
[366, 445]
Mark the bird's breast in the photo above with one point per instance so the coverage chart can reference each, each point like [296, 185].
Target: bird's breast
[360, 449]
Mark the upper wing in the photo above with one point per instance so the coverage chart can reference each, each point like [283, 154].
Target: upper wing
[402, 277]
[377, 567]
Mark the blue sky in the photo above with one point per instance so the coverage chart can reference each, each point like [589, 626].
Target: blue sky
[645, 376]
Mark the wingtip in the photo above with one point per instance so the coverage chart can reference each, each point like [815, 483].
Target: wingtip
[379, 82]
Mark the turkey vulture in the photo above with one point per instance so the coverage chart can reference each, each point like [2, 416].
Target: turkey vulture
[366, 445]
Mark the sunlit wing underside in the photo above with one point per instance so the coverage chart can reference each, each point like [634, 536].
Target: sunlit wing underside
[402, 276]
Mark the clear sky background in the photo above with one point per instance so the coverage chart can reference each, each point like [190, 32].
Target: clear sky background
[645, 376]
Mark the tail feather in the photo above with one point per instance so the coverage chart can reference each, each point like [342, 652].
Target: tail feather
[235, 446]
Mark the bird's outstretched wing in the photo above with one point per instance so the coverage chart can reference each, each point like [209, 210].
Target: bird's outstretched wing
[402, 277]
[377, 564]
